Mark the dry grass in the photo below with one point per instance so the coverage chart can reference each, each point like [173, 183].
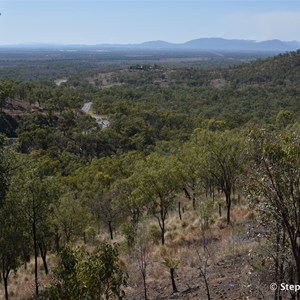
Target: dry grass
[183, 239]
[21, 284]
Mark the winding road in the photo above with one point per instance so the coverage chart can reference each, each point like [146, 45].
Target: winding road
[102, 121]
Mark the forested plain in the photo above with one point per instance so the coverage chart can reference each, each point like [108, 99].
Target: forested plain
[191, 191]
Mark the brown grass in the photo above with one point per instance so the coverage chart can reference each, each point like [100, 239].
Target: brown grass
[183, 239]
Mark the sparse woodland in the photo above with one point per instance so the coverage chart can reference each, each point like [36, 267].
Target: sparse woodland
[192, 192]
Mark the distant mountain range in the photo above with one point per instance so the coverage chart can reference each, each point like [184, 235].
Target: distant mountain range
[222, 44]
[202, 44]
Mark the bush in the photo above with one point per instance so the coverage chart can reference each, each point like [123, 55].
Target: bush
[129, 232]
[155, 234]
[90, 234]
[84, 275]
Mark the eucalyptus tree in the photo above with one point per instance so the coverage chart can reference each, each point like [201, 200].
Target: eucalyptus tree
[12, 229]
[131, 202]
[192, 173]
[6, 90]
[275, 183]
[70, 218]
[91, 187]
[3, 171]
[158, 180]
[36, 188]
[13, 237]
[222, 159]
[84, 275]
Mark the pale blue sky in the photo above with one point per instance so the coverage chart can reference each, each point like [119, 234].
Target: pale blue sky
[104, 21]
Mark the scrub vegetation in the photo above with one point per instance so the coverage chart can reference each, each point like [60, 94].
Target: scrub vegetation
[191, 192]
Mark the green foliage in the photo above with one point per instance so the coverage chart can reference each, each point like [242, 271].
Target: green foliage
[275, 184]
[283, 119]
[40, 190]
[158, 179]
[215, 125]
[70, 217]
[4, 176]
[155, 234]
[277, 173]
[13, 230]
[84, 275]
[171, 132]
[222, 158]
[206, 210]
[129, 232]
[90, 234]
[192, 171]
[6, 91]
[13, 238]
[171, 262]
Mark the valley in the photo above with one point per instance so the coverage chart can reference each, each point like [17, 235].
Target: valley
[188, 189]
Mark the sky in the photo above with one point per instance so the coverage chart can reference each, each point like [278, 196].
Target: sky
[122, 22]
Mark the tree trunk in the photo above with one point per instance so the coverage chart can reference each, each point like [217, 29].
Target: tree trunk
[35, 258]
[191, 196]
[5, 279]
[162, 231]
[228, 206]
[5, 274]
[296, 254]
[277, 254]
[298, 277]
[207, 288]
[135, 217]
[172, 273]
[194, 194]
[43, 250]
[179, 210]
[145, 285]
[110, 230]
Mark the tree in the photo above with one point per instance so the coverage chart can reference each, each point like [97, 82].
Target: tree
[223, 159]
[92, 185]
[283, 119]
[4, 170]
[131, 204]
[39, 190]
[172, 264]
[12, 230]
[83, 275]
[5, 92]
[142, 249]
[158, 179]
[205, 212]
[192, 173]
[12, 239]
[70, 218]
[275, 183]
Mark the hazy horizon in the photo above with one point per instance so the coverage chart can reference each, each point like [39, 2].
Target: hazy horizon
[131, 22]
[128, 44]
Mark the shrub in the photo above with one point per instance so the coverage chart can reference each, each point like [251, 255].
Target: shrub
[155, 234]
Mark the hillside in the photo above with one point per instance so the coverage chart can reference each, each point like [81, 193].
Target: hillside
[280, 70]
[236, 95]
[188, 193]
